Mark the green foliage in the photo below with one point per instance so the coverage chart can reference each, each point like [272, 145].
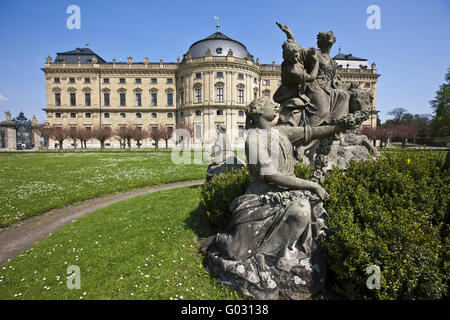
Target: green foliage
[303, 171]
[391, 213]
[440, 124]
[217, 194]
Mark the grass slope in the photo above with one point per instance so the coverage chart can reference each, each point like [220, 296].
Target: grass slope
[141, 248]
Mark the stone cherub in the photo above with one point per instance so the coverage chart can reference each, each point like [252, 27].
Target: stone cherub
[274, 216]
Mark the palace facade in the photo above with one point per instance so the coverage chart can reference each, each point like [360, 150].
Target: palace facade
[209, 86]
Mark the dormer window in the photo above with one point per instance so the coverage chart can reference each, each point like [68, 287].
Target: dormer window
[219, 50]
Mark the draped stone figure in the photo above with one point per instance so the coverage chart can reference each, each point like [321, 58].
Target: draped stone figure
[280, 217]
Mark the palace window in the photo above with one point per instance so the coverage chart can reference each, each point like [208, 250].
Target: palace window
[170, 99]
[266, 82]
[198, 113]
[138, 115]
[169, 80]
[138, 80]
[219, 74]
[56, 80]
[367, 84]
[182, 97]
[219, 50]
[170, 115]
[154, 80]
[106, 99]
[240, 96]
[255, 95]
[87, 115]
[154, 115]
[57, 99]
[241, 113]
[57, 115]
[240, 76]
[105, 80]
[87, 80]
[87, 98]
[122, 100]
[198, 75]
[181, 114]
[219, 97]
[219, 112]
[73, 115]
[154, 99]
[122, 80]
[138, 99]
[123, 115]
[198, 95]
[106, 115]
[71, 80]
[73, 100]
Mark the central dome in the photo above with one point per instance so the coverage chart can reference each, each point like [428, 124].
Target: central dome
[218, 44]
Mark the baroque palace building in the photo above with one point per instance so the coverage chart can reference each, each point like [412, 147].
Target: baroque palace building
[211, 85]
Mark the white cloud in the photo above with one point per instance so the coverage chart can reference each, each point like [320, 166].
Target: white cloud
[3, 98]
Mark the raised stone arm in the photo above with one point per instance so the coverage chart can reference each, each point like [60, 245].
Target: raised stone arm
[286, 30]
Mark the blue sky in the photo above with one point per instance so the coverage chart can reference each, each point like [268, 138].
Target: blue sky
[411, 50]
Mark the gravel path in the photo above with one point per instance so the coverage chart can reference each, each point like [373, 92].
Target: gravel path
[22, 235]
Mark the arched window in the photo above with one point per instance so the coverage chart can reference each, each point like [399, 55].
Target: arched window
[154, 115]
[219, 50]
[87, 115]
[219, 112]
[241, 113]
[73, 115]
[198, 113]
[106, 115]
[169, 115]
[123, 115]
[138, 115]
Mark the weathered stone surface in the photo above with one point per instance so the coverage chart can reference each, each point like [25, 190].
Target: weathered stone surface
[340, 156]
[263, 278]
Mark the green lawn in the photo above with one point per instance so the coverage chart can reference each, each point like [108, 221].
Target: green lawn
[31, 183]
[142, 248]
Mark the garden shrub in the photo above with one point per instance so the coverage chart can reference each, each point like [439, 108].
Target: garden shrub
[391, 213]
[217, 194]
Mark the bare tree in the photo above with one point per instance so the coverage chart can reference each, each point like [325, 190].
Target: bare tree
[166, 133]
[46, 132]
[139, 135]
[84, 134]
[102, 134]
[125, 134]
[59, 134]
[73, 134]
[155, 135]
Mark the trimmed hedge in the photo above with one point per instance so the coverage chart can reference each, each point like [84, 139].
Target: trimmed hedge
[392, 213]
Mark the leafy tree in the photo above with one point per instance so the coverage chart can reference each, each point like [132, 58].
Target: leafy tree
[440, 124]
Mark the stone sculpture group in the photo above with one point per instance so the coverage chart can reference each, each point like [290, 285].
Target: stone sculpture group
[272, 247]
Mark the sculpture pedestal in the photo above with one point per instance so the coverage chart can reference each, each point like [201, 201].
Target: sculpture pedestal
[262, 277]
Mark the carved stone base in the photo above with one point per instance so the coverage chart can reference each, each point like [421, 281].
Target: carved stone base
[262, 277]
[340, 156]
